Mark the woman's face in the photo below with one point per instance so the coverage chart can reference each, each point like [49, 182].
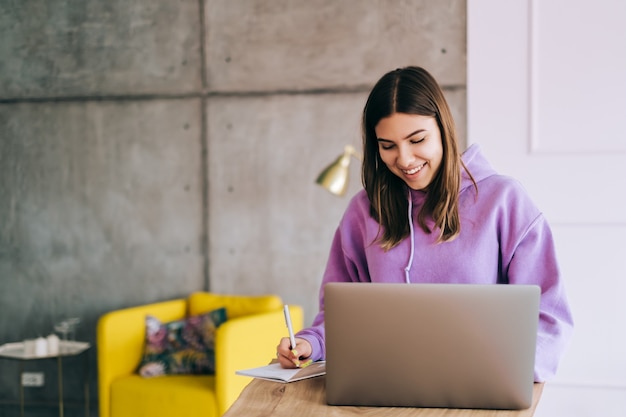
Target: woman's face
[410, 145]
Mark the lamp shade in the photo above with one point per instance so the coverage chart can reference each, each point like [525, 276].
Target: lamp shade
[335, 176]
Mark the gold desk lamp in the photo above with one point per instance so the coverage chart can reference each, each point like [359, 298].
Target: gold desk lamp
[335, 177]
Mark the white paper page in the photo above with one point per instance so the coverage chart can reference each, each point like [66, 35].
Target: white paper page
[274, 372]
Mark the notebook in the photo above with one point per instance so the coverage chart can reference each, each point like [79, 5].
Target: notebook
[431, 345]
[274, 372]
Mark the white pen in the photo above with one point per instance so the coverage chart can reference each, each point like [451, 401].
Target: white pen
[292, 340]
[292, 337]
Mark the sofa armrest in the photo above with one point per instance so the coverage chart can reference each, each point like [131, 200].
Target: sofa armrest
[237, 305]
[247, 342]
[120, 339]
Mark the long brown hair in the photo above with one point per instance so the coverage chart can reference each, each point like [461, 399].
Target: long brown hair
[410, 90]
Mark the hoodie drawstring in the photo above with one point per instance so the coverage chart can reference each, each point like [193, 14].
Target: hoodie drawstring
[407, 269]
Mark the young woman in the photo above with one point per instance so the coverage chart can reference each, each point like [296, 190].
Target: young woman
[428, 214]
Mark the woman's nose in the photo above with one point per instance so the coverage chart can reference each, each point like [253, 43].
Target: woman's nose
[405, 157]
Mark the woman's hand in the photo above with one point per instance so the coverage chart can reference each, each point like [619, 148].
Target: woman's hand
[293, 358]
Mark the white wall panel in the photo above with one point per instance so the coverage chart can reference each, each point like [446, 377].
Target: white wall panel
[578, 59]
[546, 103]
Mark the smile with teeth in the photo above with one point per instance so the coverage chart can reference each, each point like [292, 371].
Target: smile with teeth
[414, 170]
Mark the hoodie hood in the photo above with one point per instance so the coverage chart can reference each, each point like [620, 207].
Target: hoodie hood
[475, 162]
[477, 165]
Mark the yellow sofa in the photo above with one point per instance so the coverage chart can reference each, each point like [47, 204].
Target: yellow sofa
[247, 339]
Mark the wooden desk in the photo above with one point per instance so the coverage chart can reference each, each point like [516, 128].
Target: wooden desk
[308, 398]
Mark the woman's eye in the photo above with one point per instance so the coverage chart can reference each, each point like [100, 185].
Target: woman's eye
[416, 141]
[386, 147]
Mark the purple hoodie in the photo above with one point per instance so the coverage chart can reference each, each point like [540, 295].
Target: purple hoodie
[504, 239]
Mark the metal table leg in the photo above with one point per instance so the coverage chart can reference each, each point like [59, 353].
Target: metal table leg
[60, 374]
[86, 382]
[19, 376]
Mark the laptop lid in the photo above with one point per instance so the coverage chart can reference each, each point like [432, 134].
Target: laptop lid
[431, 345]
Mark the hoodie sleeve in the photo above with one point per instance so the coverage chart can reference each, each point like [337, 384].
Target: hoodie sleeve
[534, 262]
[346, 263]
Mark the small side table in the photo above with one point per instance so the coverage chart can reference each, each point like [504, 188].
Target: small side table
[16, 351]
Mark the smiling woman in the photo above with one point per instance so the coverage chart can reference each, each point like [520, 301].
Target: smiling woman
[431, 215]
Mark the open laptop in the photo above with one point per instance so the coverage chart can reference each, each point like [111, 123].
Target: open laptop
[431, 345]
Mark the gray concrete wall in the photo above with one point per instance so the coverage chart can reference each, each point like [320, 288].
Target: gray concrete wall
[153, 148]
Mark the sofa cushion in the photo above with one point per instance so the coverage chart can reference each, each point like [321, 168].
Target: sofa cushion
[236, 305]
[183, 346]
[173, 395]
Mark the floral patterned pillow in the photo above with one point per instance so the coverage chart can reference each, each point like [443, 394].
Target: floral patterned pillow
[182, 346]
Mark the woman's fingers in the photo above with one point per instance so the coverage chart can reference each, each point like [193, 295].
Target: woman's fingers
[289, 357]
